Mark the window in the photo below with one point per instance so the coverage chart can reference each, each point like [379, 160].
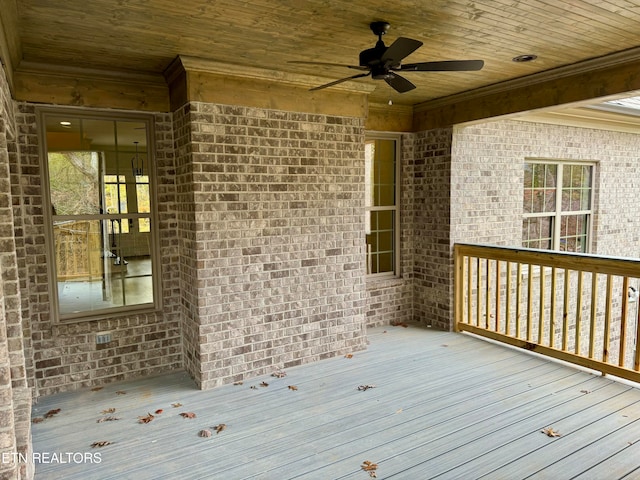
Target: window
[98, 195]
[557, 205]
[382, 213]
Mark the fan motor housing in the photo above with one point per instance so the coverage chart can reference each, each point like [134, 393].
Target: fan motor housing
[371, 56]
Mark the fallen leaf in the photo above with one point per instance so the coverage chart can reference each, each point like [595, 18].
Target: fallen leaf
[279, 374]
[159, 411]
[188, 415]
[292, 387]
[220, 427]
[204, 433]
[370, 468]
[176, 405]
[444, 345]
[37, 420]
[96, 389]
[384, 331]
[550, 432]
[349, 355]
[399, 411]
[108, 410]
[121, 392]
[253, 387]
[107, 419]
[146, 419]
[365, 387]
[51, 413]
[585, 391]
[238, 383]
[102, 443]
[264, 384]
[399, 324]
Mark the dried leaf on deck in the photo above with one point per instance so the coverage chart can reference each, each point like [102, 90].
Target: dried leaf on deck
[292, 387]
[362, 388]
[52, 413]
[96, 389]
[220, 427]
[349, 355]
[585, 391]
[108, 410]
[188, 415]
[102, 443]
[279, 374]
[107, 419]
[238, 383]
[146, 419]
[176, 405]
[370, 468]
[204, 433]
[399, 324]
[253, 387]
[121, 392]
[264, 384]
[37, 420]
[550, 432]
[159, 411]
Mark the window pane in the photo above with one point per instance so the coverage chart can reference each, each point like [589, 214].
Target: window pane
[576, 188]
[573, 233]
[539, 188]
[381, 242]
[537, 232]
[384, 172]
[144, 201]
[74, 182]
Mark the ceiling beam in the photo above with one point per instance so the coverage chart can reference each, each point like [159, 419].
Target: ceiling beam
[599, 78]
[10, 49]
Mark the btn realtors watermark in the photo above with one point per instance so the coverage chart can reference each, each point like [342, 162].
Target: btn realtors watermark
[51, 457]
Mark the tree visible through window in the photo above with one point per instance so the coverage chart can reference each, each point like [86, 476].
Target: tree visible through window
[557, 205]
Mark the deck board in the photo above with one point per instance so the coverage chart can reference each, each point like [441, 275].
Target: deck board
[445, 405]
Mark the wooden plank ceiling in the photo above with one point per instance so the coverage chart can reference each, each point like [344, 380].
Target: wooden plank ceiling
[144, 36]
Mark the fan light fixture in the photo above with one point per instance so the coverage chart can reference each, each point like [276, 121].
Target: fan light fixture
[137, 163]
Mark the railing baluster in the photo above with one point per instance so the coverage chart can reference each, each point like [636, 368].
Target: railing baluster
[497, 314]
[552, 313]
[507, 313]
[565, 310]
[518, 298]
[623, 321]
[529, 301]
[578, 345]
[478, 296]
[541, 307]
[636, 359]
[593, 313]
[469, 289]
[487, 296]
[607, 319]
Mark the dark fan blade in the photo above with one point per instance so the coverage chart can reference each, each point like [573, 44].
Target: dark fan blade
[399, 49]
[445, 66]
[302, 62]
[331, 84]
[400, 84]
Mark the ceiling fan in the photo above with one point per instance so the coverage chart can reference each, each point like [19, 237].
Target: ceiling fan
[382, 62]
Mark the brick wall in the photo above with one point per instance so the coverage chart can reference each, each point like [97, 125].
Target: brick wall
[65, 356]
[15, 399]
[430, 211]
[278, 237]
[487, 181]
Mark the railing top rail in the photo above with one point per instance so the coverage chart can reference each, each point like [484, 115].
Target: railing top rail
[586, 262]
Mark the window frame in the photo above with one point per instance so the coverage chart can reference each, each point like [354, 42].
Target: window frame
[557, 215]
[154, 242]
[396, 273]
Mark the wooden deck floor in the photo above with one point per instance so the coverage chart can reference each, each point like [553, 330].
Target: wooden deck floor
[445, 405]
